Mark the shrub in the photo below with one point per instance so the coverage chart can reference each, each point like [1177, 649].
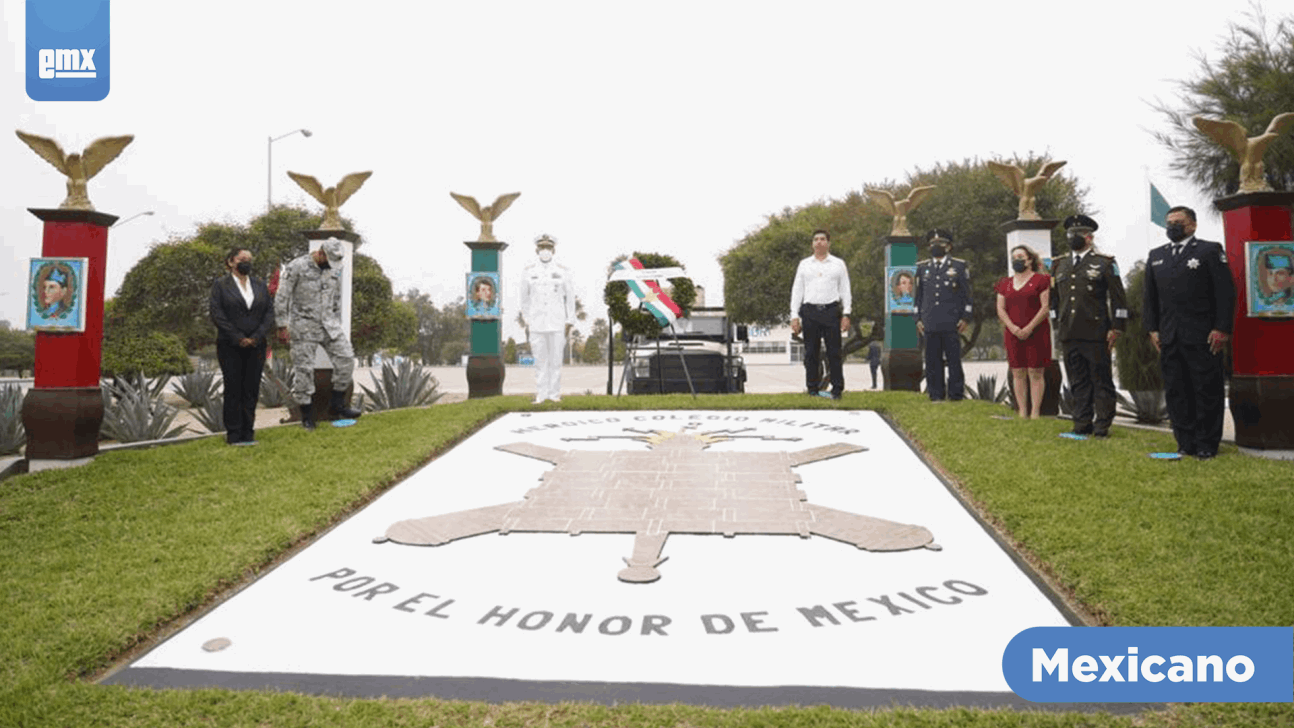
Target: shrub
[1138, 362]
[12, 435]
[151, 352]
[986, 389]
[133, 412]
[405, 386]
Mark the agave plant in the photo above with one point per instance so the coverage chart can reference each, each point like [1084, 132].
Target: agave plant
[133, 411]
[197, 388]
[1148, 407]
[12, 435]
[405, 386]
[211, 414]
[275, 381]
[986, 389]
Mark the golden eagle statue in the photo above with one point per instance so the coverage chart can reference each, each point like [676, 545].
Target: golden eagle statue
[1026, 189]
[1248, 150]
[79, 168]
[487, 215]
[900, 208]
[333, 197]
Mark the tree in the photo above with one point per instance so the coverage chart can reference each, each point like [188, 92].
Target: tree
[169, 289]
[442, 335]
[376, 322]
[1251, 84]
[17, 349]
[969, 201]
[510, 351]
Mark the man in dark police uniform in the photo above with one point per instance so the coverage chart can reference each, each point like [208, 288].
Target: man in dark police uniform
[1190, 301]
[943, 305]
[1091, 312]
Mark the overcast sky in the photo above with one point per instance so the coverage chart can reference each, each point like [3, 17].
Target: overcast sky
[670, 127]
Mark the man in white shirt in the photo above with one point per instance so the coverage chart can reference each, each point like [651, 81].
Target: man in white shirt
[820, 305]
[548, 305]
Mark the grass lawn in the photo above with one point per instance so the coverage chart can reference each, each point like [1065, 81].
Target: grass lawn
[97, 559]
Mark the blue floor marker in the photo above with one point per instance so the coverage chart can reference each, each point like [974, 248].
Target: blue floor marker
[1166, 455]
[342, 423]
[1073, 436]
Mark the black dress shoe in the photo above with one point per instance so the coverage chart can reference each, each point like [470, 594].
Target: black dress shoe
[1103, 434]
[1205, 455]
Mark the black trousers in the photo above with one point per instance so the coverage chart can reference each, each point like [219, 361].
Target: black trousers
[1194, 392]
[1091, 381]
[822, 324]
[241, 368]
[942, 345]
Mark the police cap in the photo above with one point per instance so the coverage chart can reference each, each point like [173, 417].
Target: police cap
[939, 234]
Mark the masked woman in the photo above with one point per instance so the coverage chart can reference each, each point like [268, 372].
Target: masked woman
[1023, 301]
[244, 315]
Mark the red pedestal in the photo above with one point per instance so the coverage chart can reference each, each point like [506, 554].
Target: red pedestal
[1262, 349]
[62, 413]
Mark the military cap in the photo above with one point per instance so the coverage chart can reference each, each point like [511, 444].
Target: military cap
[1081, 222]
[545, 241]
[332, 248]
[939, 234]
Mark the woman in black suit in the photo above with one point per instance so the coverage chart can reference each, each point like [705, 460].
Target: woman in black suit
[244, 315]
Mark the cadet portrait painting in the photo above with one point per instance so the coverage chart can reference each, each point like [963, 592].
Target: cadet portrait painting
[1091, 312]
[1190, 300]
[943, 308]
[307, 308]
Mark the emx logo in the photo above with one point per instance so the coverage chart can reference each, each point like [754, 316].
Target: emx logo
[67, 50]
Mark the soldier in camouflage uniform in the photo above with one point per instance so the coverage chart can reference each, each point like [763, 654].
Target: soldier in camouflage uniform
[309, 300]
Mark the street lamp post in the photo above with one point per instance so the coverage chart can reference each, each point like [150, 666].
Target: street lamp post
[269, 165]
[119, 223]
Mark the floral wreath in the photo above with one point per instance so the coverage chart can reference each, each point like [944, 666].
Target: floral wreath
[637, 322]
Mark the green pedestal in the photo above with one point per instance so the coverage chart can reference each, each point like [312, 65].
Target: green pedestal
[901, 361]
[485, 370]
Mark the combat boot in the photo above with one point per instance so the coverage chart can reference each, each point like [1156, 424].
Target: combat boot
[337, 407]
[307, 415]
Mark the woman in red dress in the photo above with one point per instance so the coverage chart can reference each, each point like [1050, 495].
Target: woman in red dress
[1023, 301]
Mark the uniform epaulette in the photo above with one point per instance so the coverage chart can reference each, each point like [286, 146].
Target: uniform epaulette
[919, 262]
[959, 260]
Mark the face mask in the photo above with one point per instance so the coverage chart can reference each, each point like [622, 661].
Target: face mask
[1176, 232]
[938, 251]
[1018, 265]
[1077, 242]
[545, 255]
[243, 267]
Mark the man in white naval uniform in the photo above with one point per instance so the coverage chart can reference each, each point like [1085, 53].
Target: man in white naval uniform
[548, 305]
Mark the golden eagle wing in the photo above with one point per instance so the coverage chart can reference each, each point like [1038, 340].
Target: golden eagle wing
[882, 198]
[1227, 133]
[350, 184]
[1011, 175]
[502, 204]
[468, 203]
[1280, 123]
[310, 185]
[918, 195]
[101, 151]
[1051, 168]
[47, 149]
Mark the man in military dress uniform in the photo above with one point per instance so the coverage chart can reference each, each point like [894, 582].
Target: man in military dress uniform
[1090, 311]
[548, 305]
[1188, 309]
[943, 307]
[309, 301]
